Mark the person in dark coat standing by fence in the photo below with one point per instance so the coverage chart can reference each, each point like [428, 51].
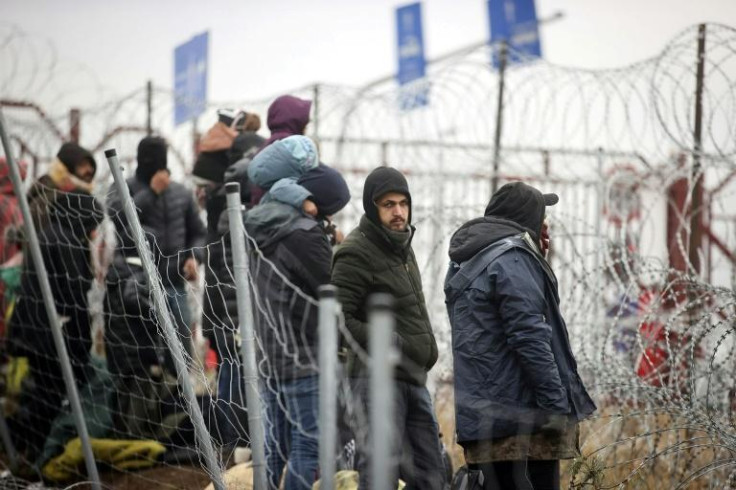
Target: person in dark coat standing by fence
[170, 219]
[377, 257]
[518, 395]
[300, 255]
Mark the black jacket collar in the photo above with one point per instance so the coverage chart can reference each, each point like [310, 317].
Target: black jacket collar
[378, 236]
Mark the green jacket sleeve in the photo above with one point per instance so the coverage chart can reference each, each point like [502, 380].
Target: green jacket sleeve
[352, 277]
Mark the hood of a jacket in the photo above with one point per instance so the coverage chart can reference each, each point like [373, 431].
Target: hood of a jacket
[379, 182]
[6, 183]
[65, 180]
[71, 155]
[328, 189]
[522, 204]
[270, 222]
[477, 234]
[287, 115]
[152, 157]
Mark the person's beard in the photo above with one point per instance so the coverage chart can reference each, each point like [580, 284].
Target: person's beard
[398, 224]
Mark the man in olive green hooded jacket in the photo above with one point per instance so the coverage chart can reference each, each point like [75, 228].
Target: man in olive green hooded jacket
[377, 257]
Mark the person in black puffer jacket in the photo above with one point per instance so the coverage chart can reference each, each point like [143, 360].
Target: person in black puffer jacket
[170, 219]
[377, 257]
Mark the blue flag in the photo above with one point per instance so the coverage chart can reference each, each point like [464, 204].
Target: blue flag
[515, 21]
[412, 63]
[190, 78]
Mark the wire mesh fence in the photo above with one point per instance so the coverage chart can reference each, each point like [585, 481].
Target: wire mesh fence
[643, 246]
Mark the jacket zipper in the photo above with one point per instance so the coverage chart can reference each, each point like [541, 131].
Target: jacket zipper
[414, 288]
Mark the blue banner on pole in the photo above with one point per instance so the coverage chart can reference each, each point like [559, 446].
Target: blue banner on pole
[190, 78]
[515, 21]
[412, 63]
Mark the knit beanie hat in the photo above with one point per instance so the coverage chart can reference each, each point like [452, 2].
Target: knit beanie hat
[71, 155]
[152, 152]
[328, 188]
[381, 181]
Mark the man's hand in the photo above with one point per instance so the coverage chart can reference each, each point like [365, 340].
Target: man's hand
[309, 208]
[160, 181]
[191, 269]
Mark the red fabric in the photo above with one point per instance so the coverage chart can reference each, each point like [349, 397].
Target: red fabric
[654, 365]
[10, 214]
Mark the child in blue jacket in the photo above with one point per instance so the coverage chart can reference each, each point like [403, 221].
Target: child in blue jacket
[278, 167]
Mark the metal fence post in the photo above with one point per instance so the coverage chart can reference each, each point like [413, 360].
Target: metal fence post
[328, 307]
[383, 357]
[499, 115]
[48, 299]
[247, 335]
[164, 316]
[696, 177]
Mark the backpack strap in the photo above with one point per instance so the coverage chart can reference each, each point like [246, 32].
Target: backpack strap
[461, 276]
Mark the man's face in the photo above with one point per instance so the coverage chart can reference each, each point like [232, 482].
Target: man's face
[85, 171]
[393, 211]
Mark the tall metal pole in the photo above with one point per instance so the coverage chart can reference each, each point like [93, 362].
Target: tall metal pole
[696, 201]
[383, 358]
[503, 55]
[149, 108]
[328, 345]
[247, 335]
[48, 300]
[163, 313]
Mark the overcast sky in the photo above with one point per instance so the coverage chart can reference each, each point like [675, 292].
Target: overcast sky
[261, 48]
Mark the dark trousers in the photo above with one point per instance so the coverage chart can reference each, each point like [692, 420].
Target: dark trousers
[416, 449]
[520, 475]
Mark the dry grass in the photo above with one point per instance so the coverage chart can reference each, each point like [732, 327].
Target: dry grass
[627, 447]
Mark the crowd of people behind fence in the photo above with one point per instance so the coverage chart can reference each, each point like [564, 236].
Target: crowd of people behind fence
[518, 396]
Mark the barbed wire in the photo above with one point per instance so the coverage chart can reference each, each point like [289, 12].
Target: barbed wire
[653, 334]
